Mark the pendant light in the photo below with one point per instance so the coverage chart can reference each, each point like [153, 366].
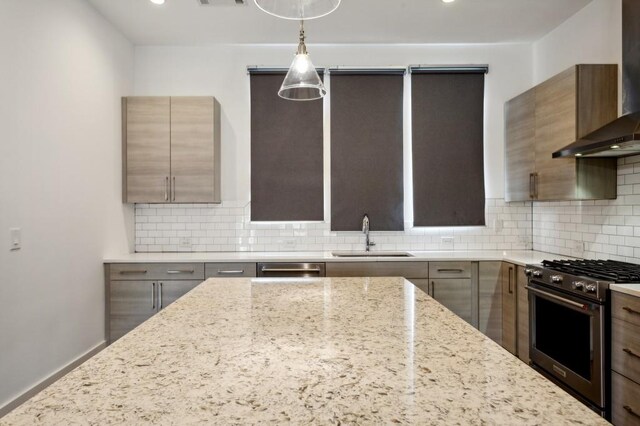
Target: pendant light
[298, 9]
[302, 82]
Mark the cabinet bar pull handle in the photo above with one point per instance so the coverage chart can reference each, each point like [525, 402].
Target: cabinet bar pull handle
[317, 270]
[166, 188]
[238, 272]
[631, 311]
[161, 285]
[141, 271]
[530, 185]
[630, 352]
[451, 270]
[174, 188]
[181, 271]
[631, 411]
[153, 295]
[535, 186]
[510, 280]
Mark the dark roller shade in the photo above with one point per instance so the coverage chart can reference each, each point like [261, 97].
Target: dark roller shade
[286, 154]
[366, 151]
[448, 167]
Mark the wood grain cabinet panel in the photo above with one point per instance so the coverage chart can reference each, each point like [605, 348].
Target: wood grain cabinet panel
[520, 132]
[146, 149]
[625, 405]
[550, 116]
[171, 149]
[509, 328]
[456, 295]
[522, 296]
[490, 300]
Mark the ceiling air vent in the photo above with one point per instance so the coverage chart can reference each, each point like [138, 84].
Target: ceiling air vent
[221, 2]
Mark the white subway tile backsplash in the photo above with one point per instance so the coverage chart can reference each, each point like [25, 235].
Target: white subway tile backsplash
[227, 227]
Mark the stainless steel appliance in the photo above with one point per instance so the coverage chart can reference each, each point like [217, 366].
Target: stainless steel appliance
[569, 323]
[292, 270]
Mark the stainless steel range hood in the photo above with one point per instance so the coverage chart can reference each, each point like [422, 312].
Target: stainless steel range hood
[621, 137]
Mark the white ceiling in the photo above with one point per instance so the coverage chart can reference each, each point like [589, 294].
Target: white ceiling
[186, 22]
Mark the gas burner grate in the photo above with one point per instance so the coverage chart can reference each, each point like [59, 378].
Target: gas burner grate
[609, 270]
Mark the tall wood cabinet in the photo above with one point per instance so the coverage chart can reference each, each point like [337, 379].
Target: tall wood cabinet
[171, 150]
[547, 118]
[509, 312]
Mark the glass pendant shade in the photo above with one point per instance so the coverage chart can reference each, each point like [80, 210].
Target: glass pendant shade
[298, 9]
[302, 82]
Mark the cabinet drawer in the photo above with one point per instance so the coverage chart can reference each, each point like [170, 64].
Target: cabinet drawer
[625, 401]
[625, 307]
[220, 270]
[625, 349]
[377, 269]
[156, 271]
[449, 269]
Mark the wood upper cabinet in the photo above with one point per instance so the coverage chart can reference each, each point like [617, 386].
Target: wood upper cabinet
[147, 149]
[520, 134]
[171, 150]
[547, 118]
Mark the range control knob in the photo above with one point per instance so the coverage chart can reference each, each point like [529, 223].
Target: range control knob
[591, 288]
[557, 279]
[528, 272]
[537, 274]
[578, 285]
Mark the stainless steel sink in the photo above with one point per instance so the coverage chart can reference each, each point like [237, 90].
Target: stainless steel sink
[371, 254]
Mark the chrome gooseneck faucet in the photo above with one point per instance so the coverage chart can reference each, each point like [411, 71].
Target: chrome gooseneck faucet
[365, 229]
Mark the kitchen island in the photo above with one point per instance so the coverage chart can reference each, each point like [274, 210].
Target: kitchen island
[306, 351]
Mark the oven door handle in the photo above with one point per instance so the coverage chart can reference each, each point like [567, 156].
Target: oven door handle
[582, 306]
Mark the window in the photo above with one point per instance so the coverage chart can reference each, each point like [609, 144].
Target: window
[366, 149]
[447, 147]
[286, 153]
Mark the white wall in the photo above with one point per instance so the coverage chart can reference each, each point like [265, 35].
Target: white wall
[63, 71]
[221, 71]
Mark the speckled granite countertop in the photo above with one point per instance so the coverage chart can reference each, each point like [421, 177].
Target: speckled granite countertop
[520, 257]
[304, 351]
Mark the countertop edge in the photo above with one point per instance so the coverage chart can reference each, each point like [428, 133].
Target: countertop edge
[630, 289]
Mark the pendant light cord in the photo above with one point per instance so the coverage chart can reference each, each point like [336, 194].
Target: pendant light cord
[302, 48]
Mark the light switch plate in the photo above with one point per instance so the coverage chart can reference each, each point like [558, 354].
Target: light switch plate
[15, 239]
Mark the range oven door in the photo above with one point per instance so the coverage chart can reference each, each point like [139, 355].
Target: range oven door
[566, 340]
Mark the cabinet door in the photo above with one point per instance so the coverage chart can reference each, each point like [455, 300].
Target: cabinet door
[421, 283]
[456, 295]
[170, 291]
[146, 147]
[193, 156]
[523, 315]
[520, 137]
[490, 300]
[508, 278]
[555, 129]
[131, 303]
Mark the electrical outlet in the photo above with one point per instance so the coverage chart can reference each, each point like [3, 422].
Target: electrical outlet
[446, 243]
[578, 248]
[287, 244]
[185, 243]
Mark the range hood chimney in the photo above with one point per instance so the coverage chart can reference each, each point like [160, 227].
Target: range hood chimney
[621, 137]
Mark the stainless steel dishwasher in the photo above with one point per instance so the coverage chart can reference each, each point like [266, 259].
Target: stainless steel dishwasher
[284, 270]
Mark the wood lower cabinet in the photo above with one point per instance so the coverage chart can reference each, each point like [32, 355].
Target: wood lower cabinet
[136, 292]
[509, 313]
[625, 359]
[171, 150]
[522, 297]
[454, 285]
[490, 300]
[550, 116]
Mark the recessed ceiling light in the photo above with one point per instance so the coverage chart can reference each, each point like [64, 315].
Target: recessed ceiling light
[448, 1]
[615, 146]
[157, 1]
[578, 155]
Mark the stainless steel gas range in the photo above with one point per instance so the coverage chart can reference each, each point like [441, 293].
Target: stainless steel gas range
[569, 323]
